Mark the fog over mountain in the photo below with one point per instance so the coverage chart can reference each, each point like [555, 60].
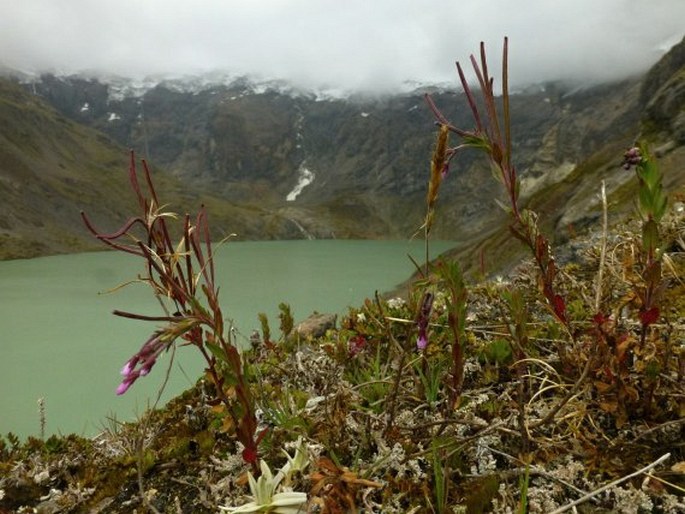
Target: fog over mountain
[357, 44]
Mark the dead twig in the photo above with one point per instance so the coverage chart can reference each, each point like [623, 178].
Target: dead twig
[673, 422]
[603, 250]
[572, 392]
[611, 484]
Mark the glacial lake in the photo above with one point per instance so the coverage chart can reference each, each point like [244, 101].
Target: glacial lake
[60, 342]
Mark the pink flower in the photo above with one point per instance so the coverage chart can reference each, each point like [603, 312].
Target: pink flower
[422, 321]
[128, 382]
[128, 367]
[142, 362]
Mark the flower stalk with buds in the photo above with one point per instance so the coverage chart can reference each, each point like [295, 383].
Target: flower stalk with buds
[182, 277]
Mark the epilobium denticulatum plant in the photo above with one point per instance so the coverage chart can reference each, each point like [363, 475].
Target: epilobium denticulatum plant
[492, 136]
[182, 277]
[652, 203]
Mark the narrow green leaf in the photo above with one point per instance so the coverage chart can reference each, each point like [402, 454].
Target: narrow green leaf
[660, 205]
[650, 236]
[216, 351]
[645, 198]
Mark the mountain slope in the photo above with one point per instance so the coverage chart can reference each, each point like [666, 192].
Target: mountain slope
[366, 157]
[277, 164]
[51, 168]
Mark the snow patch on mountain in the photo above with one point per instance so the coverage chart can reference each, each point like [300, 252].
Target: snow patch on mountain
[306, 177]
[120, 88]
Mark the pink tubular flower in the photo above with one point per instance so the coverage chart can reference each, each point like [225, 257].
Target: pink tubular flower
[142, 362]
[128, 367]
[422, 321]
[128, 382]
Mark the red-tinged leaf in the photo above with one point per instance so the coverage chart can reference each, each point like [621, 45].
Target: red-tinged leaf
[551, 272]
[540, 247]
[496, 153]
[649, 316]
[599, 319]
[261, 435]
[250, 455]
[608, 373]
[356, 344]
[560, 307]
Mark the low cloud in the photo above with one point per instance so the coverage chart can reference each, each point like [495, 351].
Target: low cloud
[355, 44]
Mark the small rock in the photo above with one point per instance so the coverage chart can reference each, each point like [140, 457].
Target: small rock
[42, 477]
[315, 325]
[48, 507]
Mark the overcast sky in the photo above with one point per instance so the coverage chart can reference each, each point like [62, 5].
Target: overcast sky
[357, 44]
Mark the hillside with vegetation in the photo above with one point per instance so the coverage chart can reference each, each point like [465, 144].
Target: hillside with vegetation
[360, 160]
[52, 167]
[538, 370]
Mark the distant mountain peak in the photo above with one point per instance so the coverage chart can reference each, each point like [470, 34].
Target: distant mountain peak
[121, 87]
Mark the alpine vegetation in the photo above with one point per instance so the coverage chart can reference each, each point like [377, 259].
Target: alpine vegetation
[557, 384]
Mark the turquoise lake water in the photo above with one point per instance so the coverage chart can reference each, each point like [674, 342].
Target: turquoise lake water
[60, 342]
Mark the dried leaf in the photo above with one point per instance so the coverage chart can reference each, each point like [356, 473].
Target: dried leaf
[632, 393]
[679, 467]
[603, 387]
[610, 407]
[623, 347]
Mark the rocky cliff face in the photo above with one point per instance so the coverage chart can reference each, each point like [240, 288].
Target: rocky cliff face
[357, 167]
[364, 154]
[663, 99]
[51, 168]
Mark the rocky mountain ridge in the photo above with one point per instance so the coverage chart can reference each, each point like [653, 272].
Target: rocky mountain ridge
[301, 165]
[51, 168]
[362, 154]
